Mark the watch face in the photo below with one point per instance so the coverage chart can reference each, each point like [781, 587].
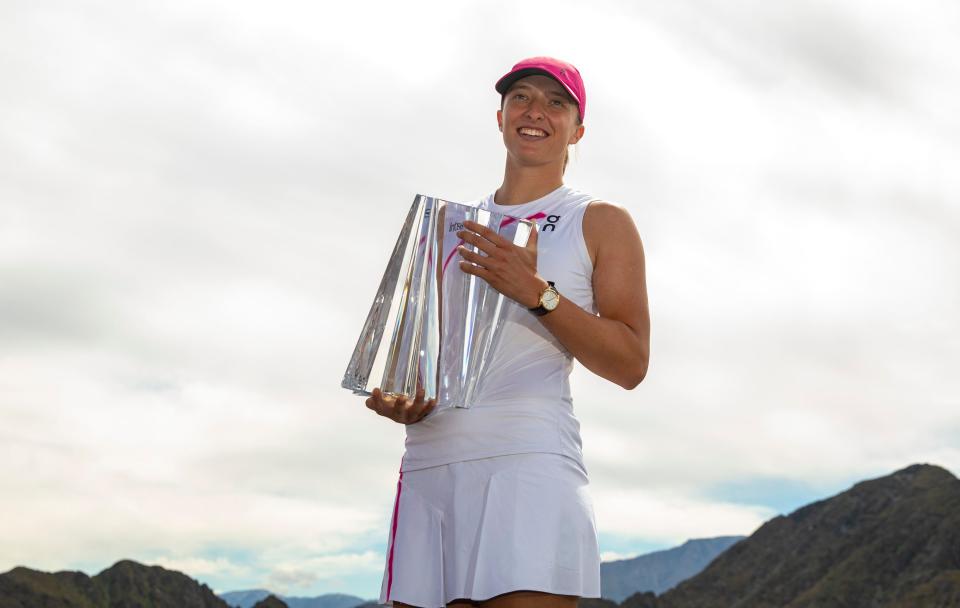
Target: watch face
[550, 299]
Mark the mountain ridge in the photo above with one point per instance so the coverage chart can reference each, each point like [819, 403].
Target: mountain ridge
[888, 542]
[882, 543]
[247, 598]
[661, 570]
[126, 583]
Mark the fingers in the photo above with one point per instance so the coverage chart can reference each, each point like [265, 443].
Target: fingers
[378, 403]
[475, 270]
[407, 410]
[478, 241]
[487, 233]
[371, 401]
[474, 257]
[400, 408]
[415, 411]
[480, 229]
[428, 407]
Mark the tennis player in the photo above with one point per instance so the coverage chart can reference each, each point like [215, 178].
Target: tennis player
[492, 506]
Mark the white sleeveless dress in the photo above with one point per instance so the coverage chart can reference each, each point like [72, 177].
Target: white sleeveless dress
[494, 498]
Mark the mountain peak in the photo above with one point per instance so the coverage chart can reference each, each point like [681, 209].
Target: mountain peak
[271, 601]
[923, 475]
[875, 544]
[126, 583]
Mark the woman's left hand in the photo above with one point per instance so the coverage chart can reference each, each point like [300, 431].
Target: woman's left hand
[508, 268]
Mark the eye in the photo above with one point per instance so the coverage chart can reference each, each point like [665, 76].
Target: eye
[519, 96]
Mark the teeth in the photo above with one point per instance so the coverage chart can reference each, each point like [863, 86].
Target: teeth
[535, 132]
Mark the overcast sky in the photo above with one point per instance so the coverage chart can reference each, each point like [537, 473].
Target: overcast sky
[198, 198]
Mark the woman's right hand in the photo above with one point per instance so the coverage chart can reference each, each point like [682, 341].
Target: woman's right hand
[400, 409]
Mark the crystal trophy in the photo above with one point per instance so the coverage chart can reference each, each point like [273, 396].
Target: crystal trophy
[431, 324]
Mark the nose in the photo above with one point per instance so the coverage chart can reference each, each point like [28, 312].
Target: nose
[535, 110]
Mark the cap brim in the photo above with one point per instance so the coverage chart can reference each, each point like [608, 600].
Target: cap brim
[504, 84]
[507, 81]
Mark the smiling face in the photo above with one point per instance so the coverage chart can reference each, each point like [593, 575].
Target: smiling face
[539, 120]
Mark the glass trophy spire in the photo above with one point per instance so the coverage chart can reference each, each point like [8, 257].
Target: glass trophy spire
[432, 325]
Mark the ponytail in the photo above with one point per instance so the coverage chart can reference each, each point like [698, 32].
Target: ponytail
[566, 153]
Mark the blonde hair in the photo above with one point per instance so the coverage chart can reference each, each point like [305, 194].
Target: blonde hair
[566, 155]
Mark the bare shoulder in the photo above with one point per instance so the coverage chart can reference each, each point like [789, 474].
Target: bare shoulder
[600, 208]
[608, 225]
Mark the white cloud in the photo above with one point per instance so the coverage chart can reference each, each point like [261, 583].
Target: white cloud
[304, 573]
[201, 567]
[671, 518]
[611, 556]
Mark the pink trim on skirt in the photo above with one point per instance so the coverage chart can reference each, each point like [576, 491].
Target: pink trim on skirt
[393, 535]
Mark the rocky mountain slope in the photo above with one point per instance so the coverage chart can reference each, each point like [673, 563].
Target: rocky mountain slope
[126, 584]
[892, 542]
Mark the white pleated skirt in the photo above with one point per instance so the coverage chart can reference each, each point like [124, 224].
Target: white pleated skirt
[481, 528]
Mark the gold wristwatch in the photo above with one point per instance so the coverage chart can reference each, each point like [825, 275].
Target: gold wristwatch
[548, 300]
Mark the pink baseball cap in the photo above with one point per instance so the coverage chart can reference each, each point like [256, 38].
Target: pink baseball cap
[561, 71]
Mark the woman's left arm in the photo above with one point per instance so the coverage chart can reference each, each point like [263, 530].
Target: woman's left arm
[614, 345]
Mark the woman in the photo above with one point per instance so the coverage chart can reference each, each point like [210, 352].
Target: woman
[492, 506]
